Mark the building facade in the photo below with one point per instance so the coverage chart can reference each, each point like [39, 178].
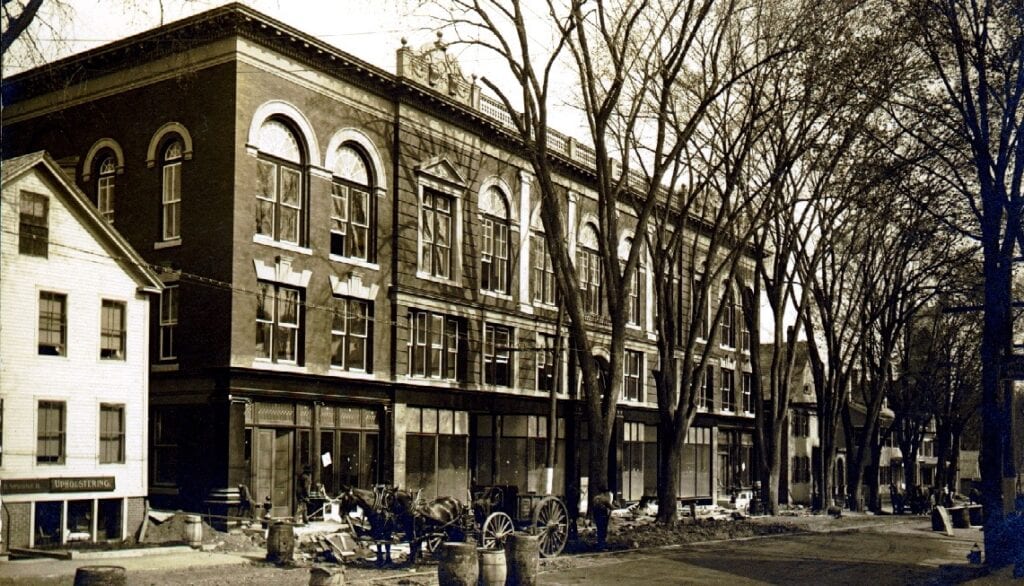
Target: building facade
[355, 274]
[74, 362]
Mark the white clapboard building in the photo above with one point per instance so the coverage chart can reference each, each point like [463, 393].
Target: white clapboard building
[74, 329]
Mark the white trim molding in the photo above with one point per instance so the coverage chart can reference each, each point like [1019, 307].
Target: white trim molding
[103, 143]
[169, 128]
[281, 272]
[285, 110]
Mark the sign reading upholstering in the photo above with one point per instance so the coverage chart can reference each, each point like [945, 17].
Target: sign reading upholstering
[74, 484]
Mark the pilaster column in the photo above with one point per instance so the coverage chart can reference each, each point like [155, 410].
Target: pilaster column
[525, 181]
[571, 227]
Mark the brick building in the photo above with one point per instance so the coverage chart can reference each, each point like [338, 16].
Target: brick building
[355, 272]
[74, 361]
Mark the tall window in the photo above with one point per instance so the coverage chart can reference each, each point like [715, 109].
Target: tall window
[433, 347]
[801, 424]
[545, 362]
[105, 188]
[495, 235]
[705, 400]
[350, 334]
[279, 197]
[53, 324]
[748, 398]
[33, 224]
[278, 323]
[543, 282]
[111, 434]
[436, 232]
[498, 355]
[50, 431]
[728, 317]
[699, 307]
[588, 268]
[168, 322]
[744, 329]
[631, 377]
[172, 191]
[635, 290]
[728, 390]
[112, 330]
[351, 201]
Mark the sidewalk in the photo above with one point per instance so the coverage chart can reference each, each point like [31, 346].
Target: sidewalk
[49, 571]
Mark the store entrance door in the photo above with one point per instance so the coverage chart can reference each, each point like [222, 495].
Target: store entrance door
[274, 470]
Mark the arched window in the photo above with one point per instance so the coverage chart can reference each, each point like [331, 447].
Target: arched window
[279, 184]
[171, 165]
[728, 316]
[105, 188]
[350, 212]
[588, 268]
[495, 235]
[635, 291]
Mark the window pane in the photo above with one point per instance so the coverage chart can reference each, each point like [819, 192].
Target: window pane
[290, 187]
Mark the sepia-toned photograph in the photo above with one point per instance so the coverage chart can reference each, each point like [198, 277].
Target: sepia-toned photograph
[511, 292]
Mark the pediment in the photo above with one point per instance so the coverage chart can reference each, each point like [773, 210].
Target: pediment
[440, 168]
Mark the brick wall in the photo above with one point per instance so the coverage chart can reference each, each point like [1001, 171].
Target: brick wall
[135, 516]
[17, 520]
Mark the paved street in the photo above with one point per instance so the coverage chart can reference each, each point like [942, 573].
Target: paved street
[900, 554]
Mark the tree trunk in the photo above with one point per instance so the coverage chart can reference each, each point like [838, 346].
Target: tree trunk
[774, 473]
[669, 460]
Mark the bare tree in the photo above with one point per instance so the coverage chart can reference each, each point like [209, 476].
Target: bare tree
[967, 112]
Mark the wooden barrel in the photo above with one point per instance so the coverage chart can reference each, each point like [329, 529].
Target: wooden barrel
[960, 517]
[523, 555]
[101, 576]
[280, 543]
[194, 530]
[492, 567]
[458, 565]
[326, 576]
[974, 512]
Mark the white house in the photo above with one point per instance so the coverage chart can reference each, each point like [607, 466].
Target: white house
[74, 342]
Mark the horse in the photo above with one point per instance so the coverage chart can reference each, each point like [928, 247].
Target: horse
[389, 509]
[378, 507]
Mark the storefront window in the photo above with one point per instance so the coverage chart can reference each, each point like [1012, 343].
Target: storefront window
[695, 474]
[437, 447]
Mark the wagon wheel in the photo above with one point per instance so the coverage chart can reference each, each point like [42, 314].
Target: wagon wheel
[495, 529]
[434, 541]
[551, 523]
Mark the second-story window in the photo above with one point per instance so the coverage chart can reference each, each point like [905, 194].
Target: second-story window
[498, 355]
[631, 375]
[494, 228]
[545, 362]
[705, 398]
[433, 347]
[699, 306]
[53, 324]
[351, 336]
[112, 330]
[350, 211]
[105, 188]
[279, 184]
[728, 390]
[588, 269]
[168, 322]
[278, 323]
[543, 277]
[171, 166]
[748, 387]
[635, 292]
[436, 234]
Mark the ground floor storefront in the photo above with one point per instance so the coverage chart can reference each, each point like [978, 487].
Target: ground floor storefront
[43, 520]
[244, 449]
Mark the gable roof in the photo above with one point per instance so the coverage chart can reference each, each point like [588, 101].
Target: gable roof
[121, 251]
